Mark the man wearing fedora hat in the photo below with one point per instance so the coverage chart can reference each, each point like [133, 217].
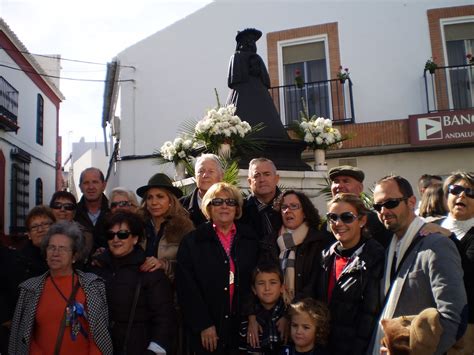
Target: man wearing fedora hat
[207, 171]
[350, 179]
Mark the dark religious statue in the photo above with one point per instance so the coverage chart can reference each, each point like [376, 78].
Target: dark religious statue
[249, 83]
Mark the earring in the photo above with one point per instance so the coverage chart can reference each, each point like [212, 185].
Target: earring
[362, 226]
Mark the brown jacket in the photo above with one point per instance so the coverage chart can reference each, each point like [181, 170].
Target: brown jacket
[175, 228]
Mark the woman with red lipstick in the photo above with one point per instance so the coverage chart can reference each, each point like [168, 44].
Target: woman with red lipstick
[298, 245]
[142, 315]
[213, 274]
[350, 276]
[459, 191]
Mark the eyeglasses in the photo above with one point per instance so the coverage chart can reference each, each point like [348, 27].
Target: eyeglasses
[345, 217]
[290, 206]
[458, 189]
[37, 227]
[121, 234]
[220, 201]
[59, 249]
[120, 204]
[66, 206]
[390, 204]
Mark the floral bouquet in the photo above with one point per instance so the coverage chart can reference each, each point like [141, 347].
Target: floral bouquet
[299, 81]
[343, 74]
[222, 126]
[317, 132]
[179, 150]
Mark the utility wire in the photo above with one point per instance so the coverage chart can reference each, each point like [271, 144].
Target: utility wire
[65, 59]
[61, 77]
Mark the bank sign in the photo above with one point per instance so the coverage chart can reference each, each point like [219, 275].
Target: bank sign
[442, 128]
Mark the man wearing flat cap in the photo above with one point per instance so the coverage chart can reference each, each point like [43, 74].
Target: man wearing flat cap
[349, 179]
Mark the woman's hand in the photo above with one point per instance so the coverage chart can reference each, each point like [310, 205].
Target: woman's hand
[430, 228]
[282, 326]
[151, 264]
[209, 338]
[253, 331]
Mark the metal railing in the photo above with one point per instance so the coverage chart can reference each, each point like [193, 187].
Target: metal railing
[449, 88]
[328, 98]
[8, 100]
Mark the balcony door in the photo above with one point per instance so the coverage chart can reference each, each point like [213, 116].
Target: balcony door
[308, 62]
[459, 43]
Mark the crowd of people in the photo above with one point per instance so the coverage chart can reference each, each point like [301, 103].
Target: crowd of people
[217, 272]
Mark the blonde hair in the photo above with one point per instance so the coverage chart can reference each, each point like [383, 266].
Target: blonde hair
[175, 206]
[212, 193]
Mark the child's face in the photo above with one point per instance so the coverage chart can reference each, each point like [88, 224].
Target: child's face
[303, 331]
[267, 288]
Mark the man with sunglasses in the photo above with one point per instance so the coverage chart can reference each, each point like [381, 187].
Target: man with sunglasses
[420, 271]
[350, 179]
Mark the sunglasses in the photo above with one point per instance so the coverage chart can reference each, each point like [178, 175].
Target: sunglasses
[457, 190]
[345, 217]
[120, 204]
[121, 234]
[220, 201]
[290, 206]
[390, 204]
[66, 206]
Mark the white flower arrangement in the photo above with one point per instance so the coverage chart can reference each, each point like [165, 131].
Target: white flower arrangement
[221, 125]
[317, 132]
[178, 150]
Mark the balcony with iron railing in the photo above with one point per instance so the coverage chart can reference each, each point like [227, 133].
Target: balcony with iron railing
[328, 98]
[8, 106]
[449, 88]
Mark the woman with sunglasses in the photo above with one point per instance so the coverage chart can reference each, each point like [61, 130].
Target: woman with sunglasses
[213, 275]
[64, 206]
[350, 276]
[121, 199]
[459, 191]
[141, 311]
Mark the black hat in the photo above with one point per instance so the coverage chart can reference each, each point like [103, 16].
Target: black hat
[249, 33]
[346, 170]
[162, 181]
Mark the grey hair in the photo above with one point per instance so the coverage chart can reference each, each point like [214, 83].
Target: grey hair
[122, 191]
[212, 157]
[255, 161]
[70, 230]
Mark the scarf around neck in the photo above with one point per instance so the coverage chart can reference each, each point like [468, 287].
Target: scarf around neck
[287, 243]
[459, 228]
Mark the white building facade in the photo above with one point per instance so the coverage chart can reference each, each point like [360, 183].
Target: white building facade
[169, 78]
[29, 142]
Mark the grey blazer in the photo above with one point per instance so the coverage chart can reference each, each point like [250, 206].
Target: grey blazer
[430, 276]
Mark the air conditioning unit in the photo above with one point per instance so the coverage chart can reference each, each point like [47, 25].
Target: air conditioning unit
[116, 127]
